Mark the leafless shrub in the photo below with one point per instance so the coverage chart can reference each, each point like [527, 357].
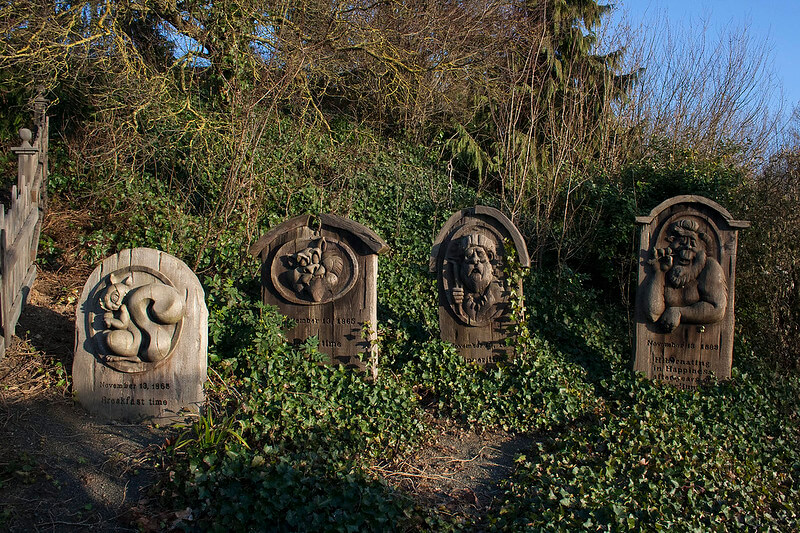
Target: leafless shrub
[536, 100]
[769, 270]
[702, 91]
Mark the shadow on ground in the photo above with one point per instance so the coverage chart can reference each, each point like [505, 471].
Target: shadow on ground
[49, 332]
[64, 470]
[460, 470]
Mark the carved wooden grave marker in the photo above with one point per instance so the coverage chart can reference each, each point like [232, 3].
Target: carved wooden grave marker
[324, 276]
[141, 338]
[684, 306]
[468, 257]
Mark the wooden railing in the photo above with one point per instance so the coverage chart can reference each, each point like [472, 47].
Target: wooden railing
[21, 224]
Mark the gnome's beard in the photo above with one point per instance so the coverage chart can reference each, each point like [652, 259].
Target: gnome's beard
[476, 278]
[681, 275]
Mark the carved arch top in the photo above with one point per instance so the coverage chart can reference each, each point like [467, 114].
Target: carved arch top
[687, 263]
[700, 202]
[140, 310]
[309, 260]
[369, 238]
[480, 211]
[468, 257]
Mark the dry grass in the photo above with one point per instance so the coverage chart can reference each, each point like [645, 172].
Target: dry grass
[459, 471]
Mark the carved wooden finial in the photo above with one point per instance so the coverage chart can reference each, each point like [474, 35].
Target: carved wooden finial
[25, 149]
[26, 135]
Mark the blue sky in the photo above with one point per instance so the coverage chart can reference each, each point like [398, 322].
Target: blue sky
[776, 20]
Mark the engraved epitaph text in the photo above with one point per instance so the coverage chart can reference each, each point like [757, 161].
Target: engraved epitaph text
[684, 308]
[468, 258]
[324, 277]
[141, 338]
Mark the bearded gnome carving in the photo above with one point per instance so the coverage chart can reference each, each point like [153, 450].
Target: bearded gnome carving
[686, 285]
[468, 257]
[476, 291]
[685, 302]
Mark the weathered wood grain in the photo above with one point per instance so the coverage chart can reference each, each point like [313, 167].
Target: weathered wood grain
[474, 307]
[699, 348]
[346, 309]
[168, 389]
[20, 227]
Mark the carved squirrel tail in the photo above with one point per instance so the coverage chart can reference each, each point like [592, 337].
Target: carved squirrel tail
[166, 307]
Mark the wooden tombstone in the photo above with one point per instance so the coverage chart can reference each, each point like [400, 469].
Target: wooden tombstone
[324, 276]
[467, 258]
[685, 298]
[141, 338]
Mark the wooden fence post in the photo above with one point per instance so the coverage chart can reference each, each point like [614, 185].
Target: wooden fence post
[20, 225]
[42, 122]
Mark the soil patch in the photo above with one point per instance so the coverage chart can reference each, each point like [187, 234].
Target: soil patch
[62, 469]
[459, 471]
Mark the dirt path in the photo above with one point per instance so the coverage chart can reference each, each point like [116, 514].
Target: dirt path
[459, 472]
[63, 470]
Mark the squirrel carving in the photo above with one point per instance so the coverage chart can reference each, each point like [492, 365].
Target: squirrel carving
[138, 332]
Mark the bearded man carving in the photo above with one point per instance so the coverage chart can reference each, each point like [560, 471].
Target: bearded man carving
[687, 285]
[477, 290]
